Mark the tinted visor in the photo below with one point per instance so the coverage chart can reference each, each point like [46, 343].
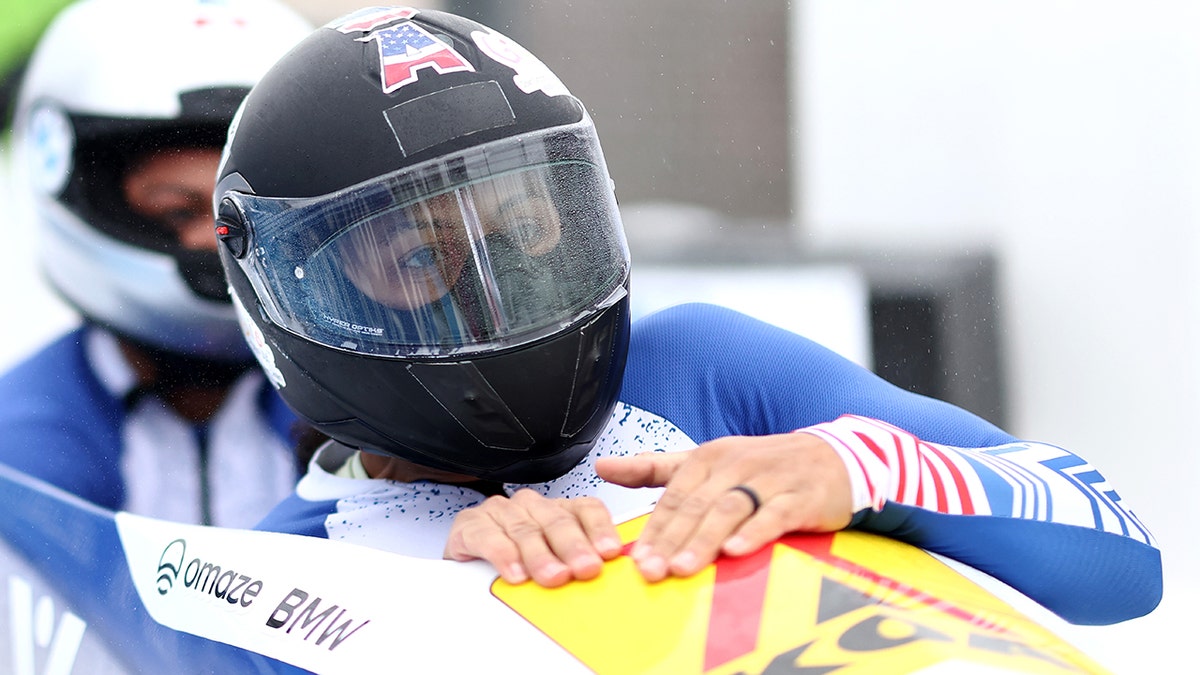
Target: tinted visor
[495, 247]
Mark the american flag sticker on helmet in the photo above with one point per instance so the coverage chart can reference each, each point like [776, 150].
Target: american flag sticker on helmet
[406, 48]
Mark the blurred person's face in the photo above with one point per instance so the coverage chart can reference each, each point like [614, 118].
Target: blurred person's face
[413, 256]
[173, 187]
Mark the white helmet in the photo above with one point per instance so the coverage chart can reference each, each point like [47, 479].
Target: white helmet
[112, 78]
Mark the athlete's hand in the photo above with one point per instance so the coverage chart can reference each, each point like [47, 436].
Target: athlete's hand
[530, 536]
[732, 495]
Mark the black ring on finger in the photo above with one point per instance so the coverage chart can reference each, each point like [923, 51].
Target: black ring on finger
[755, 501]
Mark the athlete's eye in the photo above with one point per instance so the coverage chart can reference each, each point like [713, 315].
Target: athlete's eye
[419, 258]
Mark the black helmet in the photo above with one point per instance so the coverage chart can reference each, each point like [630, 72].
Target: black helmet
[422, 240]
[109, 80]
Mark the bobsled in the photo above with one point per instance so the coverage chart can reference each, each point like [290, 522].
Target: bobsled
[86, 590]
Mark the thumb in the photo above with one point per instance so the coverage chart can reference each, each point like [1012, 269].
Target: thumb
[647, 469]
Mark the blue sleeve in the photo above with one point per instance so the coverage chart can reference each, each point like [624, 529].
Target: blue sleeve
[59, 424]
[1084, 575]
[714, 372]
[295, 515]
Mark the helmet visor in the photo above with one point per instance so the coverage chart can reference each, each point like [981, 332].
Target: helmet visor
[492, 248]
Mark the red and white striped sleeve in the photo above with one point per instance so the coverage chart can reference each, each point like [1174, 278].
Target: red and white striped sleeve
[1021, 479]
[887, 463]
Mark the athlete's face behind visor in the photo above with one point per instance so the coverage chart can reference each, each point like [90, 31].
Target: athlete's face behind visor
[417, 255]
[464, 254]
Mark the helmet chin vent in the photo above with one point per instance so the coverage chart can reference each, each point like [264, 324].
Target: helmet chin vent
[468, 398]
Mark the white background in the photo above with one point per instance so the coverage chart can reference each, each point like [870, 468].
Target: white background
[1064, 135]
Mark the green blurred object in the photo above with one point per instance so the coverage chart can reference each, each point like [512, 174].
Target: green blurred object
[21, 24]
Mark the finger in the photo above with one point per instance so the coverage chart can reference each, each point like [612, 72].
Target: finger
[675, 521]
[647, 469]
[693, 535]
[567, 538]
[817, 500]
[784, 513]
[728, 512]
[598, 525]
[683, 497]
[525, 526]
[765, 526]
[476, 535]
[695, 487]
